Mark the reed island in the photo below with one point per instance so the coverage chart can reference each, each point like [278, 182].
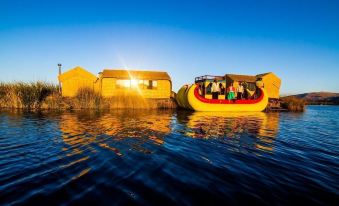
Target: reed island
[117, 89]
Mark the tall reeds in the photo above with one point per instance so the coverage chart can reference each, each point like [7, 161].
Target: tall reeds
[42, 95]
[293, 104]
[87, 98]
[25, 95]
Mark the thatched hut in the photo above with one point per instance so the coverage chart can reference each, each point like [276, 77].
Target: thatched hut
[149, 84]
[74, 79]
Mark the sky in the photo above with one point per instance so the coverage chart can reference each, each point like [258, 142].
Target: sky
[297, 40]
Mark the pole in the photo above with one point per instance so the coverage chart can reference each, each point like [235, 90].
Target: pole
[59, 65]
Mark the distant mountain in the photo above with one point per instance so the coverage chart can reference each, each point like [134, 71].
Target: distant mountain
[319, 97]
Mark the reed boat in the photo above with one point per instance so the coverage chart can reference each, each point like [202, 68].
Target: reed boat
[196, 97]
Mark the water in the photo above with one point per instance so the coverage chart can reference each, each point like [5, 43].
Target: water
[168, 157]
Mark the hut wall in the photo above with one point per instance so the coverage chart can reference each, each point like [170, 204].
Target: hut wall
[75, 79]
[108, 89]
[163, 90]
[71, 86]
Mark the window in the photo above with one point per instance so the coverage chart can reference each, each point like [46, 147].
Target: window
[123, 83]
[151, 84]
[146, 84]
[135, 83]
[154, 84]
[141, 84]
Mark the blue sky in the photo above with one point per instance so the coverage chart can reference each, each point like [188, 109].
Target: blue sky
[297, 40]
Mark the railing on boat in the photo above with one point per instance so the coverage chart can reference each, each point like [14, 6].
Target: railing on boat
[208, 77]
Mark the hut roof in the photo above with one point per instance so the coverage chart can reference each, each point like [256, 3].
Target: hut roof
[127, 74]
[76, 71]
[263, 74]
[238, 77]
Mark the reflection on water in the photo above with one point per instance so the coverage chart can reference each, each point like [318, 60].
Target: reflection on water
[97, 127]
[234, 127]
[153, 126]
[168, 157]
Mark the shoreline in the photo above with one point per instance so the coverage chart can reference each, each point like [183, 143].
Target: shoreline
[113, 103]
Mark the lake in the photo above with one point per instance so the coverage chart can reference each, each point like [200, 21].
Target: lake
[139, 157]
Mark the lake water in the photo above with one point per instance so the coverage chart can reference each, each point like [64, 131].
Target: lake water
[169, 157]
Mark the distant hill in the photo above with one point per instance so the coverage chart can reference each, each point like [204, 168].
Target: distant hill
[319, 97]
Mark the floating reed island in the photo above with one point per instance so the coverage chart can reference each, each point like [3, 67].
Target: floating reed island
[119, 89]
[80, 89]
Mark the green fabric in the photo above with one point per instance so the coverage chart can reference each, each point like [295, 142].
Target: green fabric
[230, 96]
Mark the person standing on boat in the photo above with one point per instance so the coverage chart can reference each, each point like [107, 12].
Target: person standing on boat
[240, 91]
[222, 89]
[231, 92]
[215, 89]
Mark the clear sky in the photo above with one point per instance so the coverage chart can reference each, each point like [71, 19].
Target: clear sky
[297, 40]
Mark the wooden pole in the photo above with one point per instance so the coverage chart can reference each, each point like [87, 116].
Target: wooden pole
[59, 65]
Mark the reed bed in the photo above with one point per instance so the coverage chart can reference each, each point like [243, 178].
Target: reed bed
[25, 95]
[293, 104]
[87, 98]
[42, 95]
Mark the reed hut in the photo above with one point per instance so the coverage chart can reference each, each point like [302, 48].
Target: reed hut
[149, 84]
[74, 79]
[272, 84]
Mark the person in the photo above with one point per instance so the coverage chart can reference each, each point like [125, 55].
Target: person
[231, 92]
[203, 89]
[245, 94]
[199, 89]
[215, 89]
[259, 84]
[221, 88]
[240, 91]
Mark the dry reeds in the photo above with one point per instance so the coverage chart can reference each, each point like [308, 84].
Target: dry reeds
[41, 95]
[25, 95]
[88, 98]
[293, 104]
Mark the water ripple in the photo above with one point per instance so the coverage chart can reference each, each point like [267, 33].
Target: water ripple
[165, 157]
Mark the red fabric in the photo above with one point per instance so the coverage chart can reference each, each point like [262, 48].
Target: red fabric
[231, 89]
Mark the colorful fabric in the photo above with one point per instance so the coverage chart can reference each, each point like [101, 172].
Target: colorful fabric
[231, 89]
[230, 95]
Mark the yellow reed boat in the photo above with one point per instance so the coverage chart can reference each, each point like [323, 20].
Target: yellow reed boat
[199, 98]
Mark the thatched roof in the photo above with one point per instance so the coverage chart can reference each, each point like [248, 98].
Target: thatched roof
[263, 74]
[76, 71]
[243, 78]
[128, 74]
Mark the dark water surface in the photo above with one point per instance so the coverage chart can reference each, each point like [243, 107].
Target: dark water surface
[168, 157]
